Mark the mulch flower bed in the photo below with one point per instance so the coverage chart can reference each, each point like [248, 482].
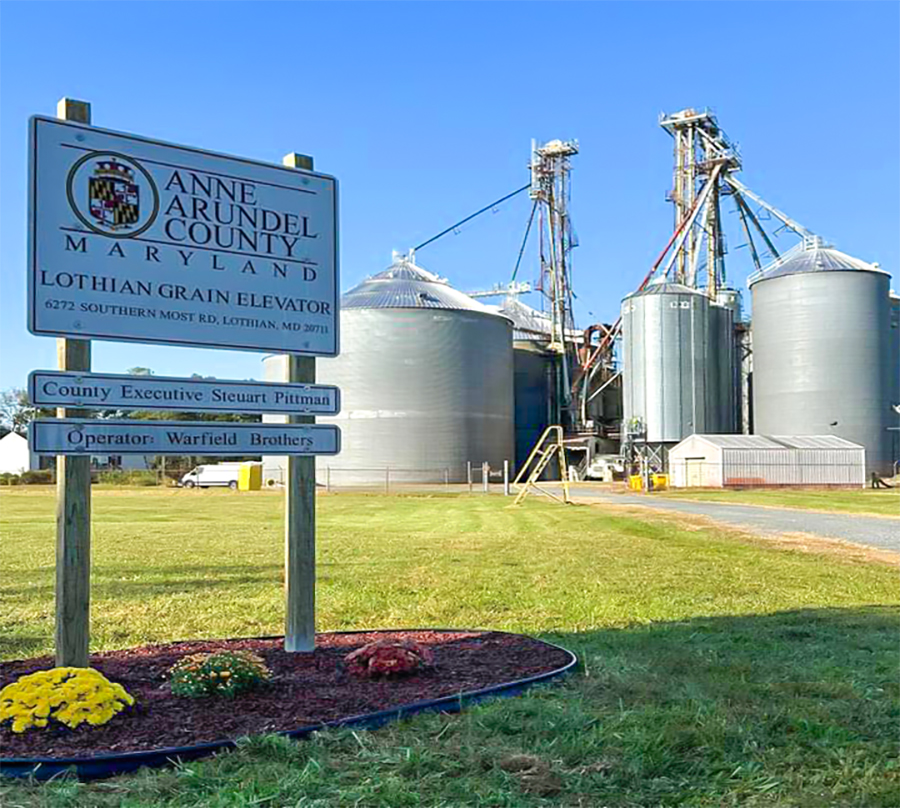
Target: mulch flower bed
[304, 689]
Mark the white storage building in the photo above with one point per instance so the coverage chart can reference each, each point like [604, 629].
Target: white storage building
[15, 456]
[744, 461]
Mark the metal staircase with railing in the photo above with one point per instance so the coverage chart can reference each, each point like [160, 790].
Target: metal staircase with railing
[549, 445]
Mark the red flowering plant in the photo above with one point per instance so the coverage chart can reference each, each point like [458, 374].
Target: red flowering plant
[389, 658]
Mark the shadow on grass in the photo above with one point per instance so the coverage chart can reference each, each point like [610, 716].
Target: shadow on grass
[795, 708]
[140, 582]
[800, 701]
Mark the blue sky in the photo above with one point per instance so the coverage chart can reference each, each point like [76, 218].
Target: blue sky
[425, 112]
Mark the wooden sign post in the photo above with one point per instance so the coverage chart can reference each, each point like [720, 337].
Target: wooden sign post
[300, 509]
[73, 497]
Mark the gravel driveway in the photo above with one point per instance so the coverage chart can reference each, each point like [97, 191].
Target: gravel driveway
[874, 531]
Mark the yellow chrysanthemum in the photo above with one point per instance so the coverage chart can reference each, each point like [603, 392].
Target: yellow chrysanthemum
[70, 696]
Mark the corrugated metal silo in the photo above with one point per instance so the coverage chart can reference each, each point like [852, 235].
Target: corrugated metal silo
[821, 349]
[894, 386]
[730, 299]
[728, 304]
[426, 379]
[721, 389]
[533, 369]
[677, 361]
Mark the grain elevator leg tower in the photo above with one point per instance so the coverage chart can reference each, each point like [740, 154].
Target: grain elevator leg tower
[703, 159]
[583, 400]
[550, 169]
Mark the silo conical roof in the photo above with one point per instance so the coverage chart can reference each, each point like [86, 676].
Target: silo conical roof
[404, 285]
[662, 287]
[528, 323]
[813, 256]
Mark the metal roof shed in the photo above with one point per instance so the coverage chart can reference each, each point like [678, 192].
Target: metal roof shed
[740, 461]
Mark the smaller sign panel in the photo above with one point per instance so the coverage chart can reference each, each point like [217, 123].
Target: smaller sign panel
[82, 436]
[49, 388]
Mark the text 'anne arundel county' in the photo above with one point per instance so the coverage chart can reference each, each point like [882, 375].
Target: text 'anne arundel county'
[210, 223]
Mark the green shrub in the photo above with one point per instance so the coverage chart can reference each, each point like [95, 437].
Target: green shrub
[42, 477]
[128, 477]
[225, 673]
[8, 478]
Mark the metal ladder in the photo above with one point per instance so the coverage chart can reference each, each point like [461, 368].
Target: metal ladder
[548, 445]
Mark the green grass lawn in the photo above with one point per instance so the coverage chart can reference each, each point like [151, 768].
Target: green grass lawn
[883, 502]
[717, 671]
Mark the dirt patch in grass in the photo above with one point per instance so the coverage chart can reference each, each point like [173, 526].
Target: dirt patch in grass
[804, 542]
[534, 774]
[305, 689]
[809, 543]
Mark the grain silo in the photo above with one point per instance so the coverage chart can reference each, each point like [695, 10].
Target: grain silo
[728, 315]
[426, 379]
[678, 357]
[534, 372]
[821, 349]
[894, 386]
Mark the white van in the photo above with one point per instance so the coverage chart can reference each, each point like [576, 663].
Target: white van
[216, 474]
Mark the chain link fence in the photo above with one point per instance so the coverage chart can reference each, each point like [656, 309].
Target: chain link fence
[480, 478]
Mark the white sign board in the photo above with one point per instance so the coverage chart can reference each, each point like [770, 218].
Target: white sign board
[78, 436]
[133, 239]
[49, 388]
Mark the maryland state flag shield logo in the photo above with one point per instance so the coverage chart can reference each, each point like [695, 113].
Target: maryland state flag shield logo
[114, 196]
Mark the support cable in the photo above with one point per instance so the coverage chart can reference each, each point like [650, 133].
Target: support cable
[798, 228]
[743, 203]
[469, 218]
[757, 263]
[524, 240]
